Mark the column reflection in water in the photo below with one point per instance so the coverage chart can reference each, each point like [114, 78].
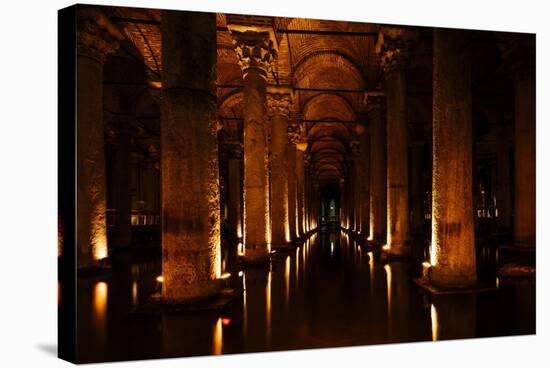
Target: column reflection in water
[398, 289]
[454, 316]
[100, 295]
[217, 340]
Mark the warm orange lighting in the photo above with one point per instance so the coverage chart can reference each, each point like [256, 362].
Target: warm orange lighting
[134, 293]
[217, 343]
[241, 274]
[160, 279]
[497, 282]
[287, 280]
[386, 247]
[100, 300]
[226, 321]
[225, 276]
[99, 248]
[387, 268]
[435, 323]
[268, 304]
[155, 84]
[240, 249]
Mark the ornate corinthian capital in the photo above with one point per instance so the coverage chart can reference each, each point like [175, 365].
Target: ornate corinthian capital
[279, 100]
[255, 46]
[96, 36]
[294, 133]
[393, 47]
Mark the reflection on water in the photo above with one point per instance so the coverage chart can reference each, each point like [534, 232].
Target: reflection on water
[328, 292]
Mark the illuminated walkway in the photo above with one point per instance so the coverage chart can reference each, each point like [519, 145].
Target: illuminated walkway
[328, 292]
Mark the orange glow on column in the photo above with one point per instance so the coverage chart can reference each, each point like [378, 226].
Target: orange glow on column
[99, 247]
[268, 304]
[435, 323]
[100, 301]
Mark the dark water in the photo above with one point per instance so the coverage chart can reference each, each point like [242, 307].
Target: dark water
[327, 293]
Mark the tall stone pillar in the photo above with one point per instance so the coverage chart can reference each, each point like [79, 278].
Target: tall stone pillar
[417, 189]
[519, 57]
[256, 50]
[358, 172]
[364, 187]
[453, 257]
[96, 38]
[504, 190]
[191, 256]
[278, 103]
[307, 208]
[350, 193]
[393, 48]
[293, 134]
[300, 201]
[343, 216]
[376, 108]
[234, 192]
[316, 204]
[122, 200]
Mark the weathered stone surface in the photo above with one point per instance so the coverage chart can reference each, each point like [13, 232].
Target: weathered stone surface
[376, 108]
[189, 156]
[278, 109]
[96, 38]
[293, 135]
[453, 256]
[300, 197]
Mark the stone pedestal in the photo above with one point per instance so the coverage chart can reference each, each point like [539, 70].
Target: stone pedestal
[453, 258]
[96, 38]
[256, 50]
[394, 47]
[278, 102]
[189, 157]
[376, 108]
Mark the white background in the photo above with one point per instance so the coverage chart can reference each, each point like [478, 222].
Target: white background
[28, 181]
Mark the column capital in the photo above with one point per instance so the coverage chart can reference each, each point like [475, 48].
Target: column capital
[255, 46]
[279, 100]
[96, 36]
[394, 46]
[355, 147]
[294, 133]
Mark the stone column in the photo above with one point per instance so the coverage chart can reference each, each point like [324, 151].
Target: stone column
[278, 103]
[417, 189]
[234, 192]
[342, 188]
[364, 199]
[191, 256]
[393, 48]
[300, 152]
[307, 208]
[293, 135]
[350, 192]
[453, 257]
[96, 38]
[358, 173]
[519, 58]
[376, 108]
[122, 200]
[504, 191]
[255, 49]
[316, 204]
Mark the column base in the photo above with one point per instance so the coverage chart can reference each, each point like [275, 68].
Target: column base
[100, 268]
[432, 289]
[221, 301]
[255, 257]
[401, 251]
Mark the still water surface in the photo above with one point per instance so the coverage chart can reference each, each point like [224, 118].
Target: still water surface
[327, 293]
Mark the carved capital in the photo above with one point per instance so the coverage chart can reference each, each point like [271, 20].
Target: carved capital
[255, 46]
[393, 47]
[375, 102]
[278, 104]
[294, 133]
[96, 37]
[355, 147]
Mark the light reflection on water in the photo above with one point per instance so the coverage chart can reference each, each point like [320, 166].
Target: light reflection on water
[337, 296]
